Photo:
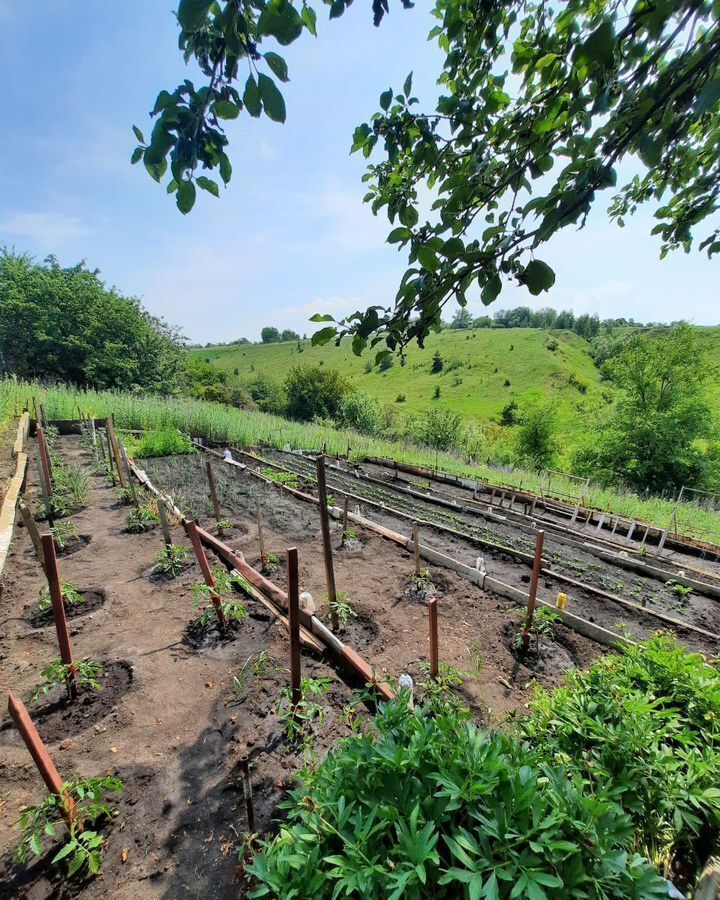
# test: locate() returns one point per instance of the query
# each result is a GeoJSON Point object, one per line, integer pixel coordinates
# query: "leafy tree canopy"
{"type": "Point", "coordinates": [66, 324]}
{"type": "Point", "coordinates": [541, 103]}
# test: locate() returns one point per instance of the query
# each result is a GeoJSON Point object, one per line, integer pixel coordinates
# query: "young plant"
{"type": "Point", "coordinates": [64, 533]}
{"type": "Point", "coordinates": [142, 520]}
{"type": "Point", "coordinates": [342, 609]}
{"type": "Point", "coordinates": [289, 479]}
{"type": "Point", "coordinates": [543, 626]}
{"type": "Point", "coordinates": [82, 846]}
{"type": "Point", "coordinates": [124, 495]}
{"type": "Point", "coordinates": [297, 719]}
{"type": "Point", "coordinates": [71, 482]}
{"type": "Point", "coordinates": [232, 608]}
{"type": "Point", "coordinates": [87, 674]}
{"type": "Point", "coordinates": [421, 582]}
{"type": "Point", "coordinates": [264, 663]}
{"type": "Point", "coordinates": [680, 589]}
{"type": "Point", "coordinates": [442, 689]}
{"type": "Point", "coordinates": [70, 594]}
{"type": "Point", "coordinates": [171, 561]}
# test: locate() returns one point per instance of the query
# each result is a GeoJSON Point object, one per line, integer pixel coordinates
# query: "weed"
{"type": "Point", "coordinates": [297, 719]}
{"type": "Point", "coordinates": [680, 589]}
{"type": "Point", "coordinates": [58, 673]}
{"type": "Point", "coordinates": [125, 495]}
{"type": "Point", "coordinates": [142, 520]}
{"type": "Point", "coordinates": [82, 847]}
{"type": "Point", "coordinates": [263, 663]}
{"type": "Point", "coordinates": [70, 594]}
{"type": "Point", "coordinates": [164, 442]}
{"type": "Point", "coordinates": [474, 652]}
{"type": "Point", "coordinates": [71, 482]}
{"type": "Point", "coordinates": [63, 534]}
{"type": "Point", "coordinates": [171, 561]}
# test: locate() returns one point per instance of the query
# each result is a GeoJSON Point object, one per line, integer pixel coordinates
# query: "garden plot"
{"type": "Point", "coordinates": [590, 583]}
{"type": "Point", "coordinates": [171, 721]}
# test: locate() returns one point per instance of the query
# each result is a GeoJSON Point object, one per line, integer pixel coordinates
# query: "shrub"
{"type": "Point", "coordinates": [509, 414]}
{"type": "Point", "coordinates": [536, 437]}
{"type": "Point", "coordinates": [440, 429]}
{"type": "Point", "coordinates": [429, 805]}
{"type": "Point", "coordinates": [386, 362]}
{"type": "Point", "coordinates": [268, 394]}
{"type": "Point", "coordinates": [437, 363]}
{"type": "Point", "coordinates": [362, 412]}
{"type": "Point", "coordinates": [314, 393]}
{"type": "Point", "coordinates": [436, 392]}
{"type": "Point", "coordinates": [400, 398]}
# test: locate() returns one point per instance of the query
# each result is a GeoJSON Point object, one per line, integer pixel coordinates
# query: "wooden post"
{"type": "Point", "coordinates": [532, 595]}
{"type": "Point", "coordinates": [261, 537]}
{"type": "Point", "coordinates": [36, 409]}
{"type": "Point", "coordinates": [32, 530]}
{"type": "Point", "coordinates": [433, 622]}
{"type": "Point", "coordinates": [58, 608]}
{"type": "Point", "coordinates": [345, 521]}
{"type": "Point", "coordinates": [94, 440]}
{"type": "Point", "coordinates": [197, 546]}
{"type": "Point", "coordinates": [416, 548]}
{"type": "Point", "coordinates": [44, 493]}
{"type": "Point", "coordinates": [213, 491]}
{"type": "Point", "coordinates": [113, 442]}
{"type": "Point", "coordinates": [294, 621]}
{"type": "Point", "coordinates": [167, 536]}
{"type": "Point", "coordinates": [128, 475]}
{"type": "Point", "coordinates": [43, 415]}
{"type": "Point", "coordinates": [327, 548]}
{"type": "Point", "coordinates": [41, 757]}
{"type": "Point", "coordinates": [45, 459]}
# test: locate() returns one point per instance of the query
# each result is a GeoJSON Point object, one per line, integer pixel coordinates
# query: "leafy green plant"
{"type": "Point", "coordinates": [125, 495]}
{"type": "Point", "coordinates": [350, 534]}
{"type": "Point", "coordinates": [443, 689]}
{"type": "Point", "coordinates": [71, 482]}
{"type": "Point", "coordinates": [289, 479]}
{"type": "Point", "coordinates": [422, 581]}
{"type": "Point", "coordinates": [427, 805]}
{"type": "Point", "coordinates": [645, 726]}
{"type": "Point", "coordinates": [297, 719]}
{"type": "Point", "coordinates": [232, 608]}
{"type": "Point", "coordinates": [82, 846]}
{"type": "Point", "coordinates": [171, 561]}
{"type": "Point", "coordinates": [342, 609]}
{"type": "Point", "coordinates": [680, 589]}
{"type": "Point", "coordinates": [160, 442]}
{"type": "Point", "coordinates": [543, 626]}
{"type": "Point", "coordinates": [70, 594]}
{"type": "Point", "coordinates": [64, 533]}
{"type": "Point", "coordinates": [263, 662]}
{"type": "Point", "coordinates": [225, 525]}
{"type": "Point", "coordinates": [87, 674]}
{"type": "Point", "coordinates": [142, 520]}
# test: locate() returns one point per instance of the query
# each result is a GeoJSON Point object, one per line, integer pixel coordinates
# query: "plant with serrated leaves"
{"type": "Point", "coordinates": [141, 520]}
{"type": "Point", "coordinates": [428, 805]}
{"type": "Point", "coordinates": [82, 846]}
{"type": "Point", "coordinates": [443, 688]}
{"type": "Point", "coordinates": [71, 596]}
{"type": "Point", "coordinates": [680, 589]}
{"type": "Point", "coordinates": [64, 533]}
{"type": "Point", "coordinates": [297, 719]}
{"type": "Point", "coordinates": [171, 561]}
{"type": "Point", "coordinates": [87, 674]}
{"type": "Point", "coordinates": [232, 608]}
{"type": "Point", "coordinates": [342, 609]}
{"type": "Point", "coordinates": [422, 581]}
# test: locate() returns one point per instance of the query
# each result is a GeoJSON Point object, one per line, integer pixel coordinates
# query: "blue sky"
{"type": "Point", "coordinates": [290, 236]}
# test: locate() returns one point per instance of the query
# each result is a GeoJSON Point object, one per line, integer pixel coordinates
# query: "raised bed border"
{"type": "Point", "coordinates": [15, 487]}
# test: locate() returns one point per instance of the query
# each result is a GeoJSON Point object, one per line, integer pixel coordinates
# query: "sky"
{"type": "Point", "coordinates": [290, 235]}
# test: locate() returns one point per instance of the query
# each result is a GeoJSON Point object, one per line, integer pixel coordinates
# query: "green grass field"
{"type": "Point", "coordinates": [477, 366]}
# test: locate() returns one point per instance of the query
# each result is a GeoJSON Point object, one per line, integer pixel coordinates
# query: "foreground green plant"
{"type": "Point", "coordinates": [297, 719]}
{"type": "Point", "coordinates": [232, 608]}
{"type": "Point", "coordinates": [422, 581]}
{"type": "Point", "coordinates": [71, 482]}
{"type": "Point", "coordinates": [125, 495]}
{"type": "Point", "coordinates": [427, 805]}
{"type": "Point", "coordinates": [70, 594]}
{"type": "Point", "coordinates": [171, 561]}
{"type": "Point", "coordinates": [543, 626]}
{"type": "Point", "coordinates": [64, 533]}
{"type": "Point", "coordinates": [643, 725]}
{"type": "Point", "coordinates": [142, 520]}
{"type": "Point", "coordinates": [82, 846]}
{"type": "Point", "coordinates": [87, 674]}
{"type": "Point", "coordinates": [342, 609]}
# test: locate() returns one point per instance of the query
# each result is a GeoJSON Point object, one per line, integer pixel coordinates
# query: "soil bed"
{"type": "Point", "coordinates": [92, 601]}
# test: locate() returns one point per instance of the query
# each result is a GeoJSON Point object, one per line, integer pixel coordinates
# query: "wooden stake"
{"type": "Point", "coordinates": [247, 793]}
{"type": "Point", "coordinates": [433, 622]}
{"type": "Point", "coordinates": [327, 548]}
{"type": "Point", "coordinates": [213, 491]}
{"type": "Point", "coordinates": [45, 459]}
{"type": "Point", "coordinates": [128, 475]}
{"type": "Point", "coordinates": [532, 595]}
{"type": "Point", "coordinates": [36, 408]}
{"type": "Point", "coordinates": [197, 546]}
{"type": "Point", "coordinates": [416, 547]}
{"type": "Point", "coordinates": [294, 618]}
{"type": "Point", "coordinates": [58, 608]}
{"type": "Point", "coordinates": [41, 757]}
{"type": "Point", "coordinates": [43, 415]}
{"type": "Point", "coordinates": [32, 530]}
{"type": "Point", "coordinates": [44, 493]}
{"type": "Point", "coordinates": [261, 538]}
{"type": "Point", "coordinates": [345, 521]}
{"type": "Point", "coordinates": [167, 535]}
{"type": "Point", "coordinates": [113, 442]}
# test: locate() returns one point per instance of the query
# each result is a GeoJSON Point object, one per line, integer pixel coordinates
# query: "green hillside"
{"type": "Point", "coordinates": [477, 365]}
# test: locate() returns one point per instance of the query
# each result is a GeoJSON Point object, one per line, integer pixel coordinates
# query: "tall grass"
{"type": "Point", "coordinates": [227, 424]}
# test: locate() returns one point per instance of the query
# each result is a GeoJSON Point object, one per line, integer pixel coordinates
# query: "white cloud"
{"type": "Point", "coordinates": [47, 229]}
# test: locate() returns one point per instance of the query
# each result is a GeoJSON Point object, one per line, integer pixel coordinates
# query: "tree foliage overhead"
{"type": "Point", "coordinates": [541, 104]}
{"type": "Point", "coordinates": [65, 324]}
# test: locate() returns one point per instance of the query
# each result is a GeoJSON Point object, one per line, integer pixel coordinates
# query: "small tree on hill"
{"type": "Point", "coordinates": [312, 392]}
{"type": "Point", "coordinates": [536, 440]}
{"type": "Point", "coordinates": [270, 335]}
{"type": "Point", "coordinates": [437, 363]}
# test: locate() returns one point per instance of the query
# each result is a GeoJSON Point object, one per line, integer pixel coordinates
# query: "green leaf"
{"type": "Point", "coordinates": [398, 235]}
{"type": "Point", "coordinates": [35, 844]}
{"type": "Point", "coordinates": [272, 98]}
{"type": "Point", "coordinates": [281, 21]}
{"type": "Point", "coordinates": [309, 17]}
{"type": "Point", "coordinates": [226, 109]}
{"type": "Point", "coordinates": [322, 337]}
{"type": "Point", "coordinates": [386, 99]}
{"type": "Point", "coordinates": [225, 168]}
{"type": "Point", "coordinates": [251, 98]}
{"type": "Point", "coordinates": [192, 13]}
{"type": "Point", "coordinates": [321, 317]}
{"type": "Point", "coordinates": [64, 851]}
{"type": "Point", "coordinates": [138, 134]}
{"type": "Point", "coordinates": [428, 259]}
{"type": "Point", "coordinates": [137, 155]}
{"type": "Point", "coordinates": [185, 197]}
{"type": "Point", "coordinates": [407, 87]}
{"type": "Point", "coordinates": [337, 8]}
{"type": "Point", "coordinates": [708, 96]}
{"type": "Point", "coordinates": [538, 276]}
{"type": "Point", "coordinates": [207, 184]}
{"type": "Point", "coordinates": [277, 65]}
{"type": "Point", "coordinates": [491, 289]}
{"type": "Point", "coordinates": [599, 47]}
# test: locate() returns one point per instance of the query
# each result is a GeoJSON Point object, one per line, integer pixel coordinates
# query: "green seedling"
{"type": "Point", "coordinates": [82, 846]}
{"type": "Point", "coordinates": [289, 479]}
{"type": "Point", "coordinates": [64, 533]}
{"type": "Point", "coordinates": [231, 608]}
{"type": "Point", "coordinates": [87, 674]}
{"type": "Point", "coordinates": [441, 690]}
{"type": "Point", "coordinates": [422, 581]}
{"type": "Point", "coordinates": [70, 594]}
{"type": "Point", "coordinates": [680, 589]}
{"type": "Point", "coordinates": [342, 609]}
{"type": "Point", "coordinates": [297, 719]}
{"type": "Point", "coordinates": [142, 520]}
{"type": "Point", "coordinates": [171, 561]}
{"type": "Point", "coordinates": [125, 496]}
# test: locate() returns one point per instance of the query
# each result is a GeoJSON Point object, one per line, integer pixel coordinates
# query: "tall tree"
{"type": "Point", "coordinates": [541, 103]}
